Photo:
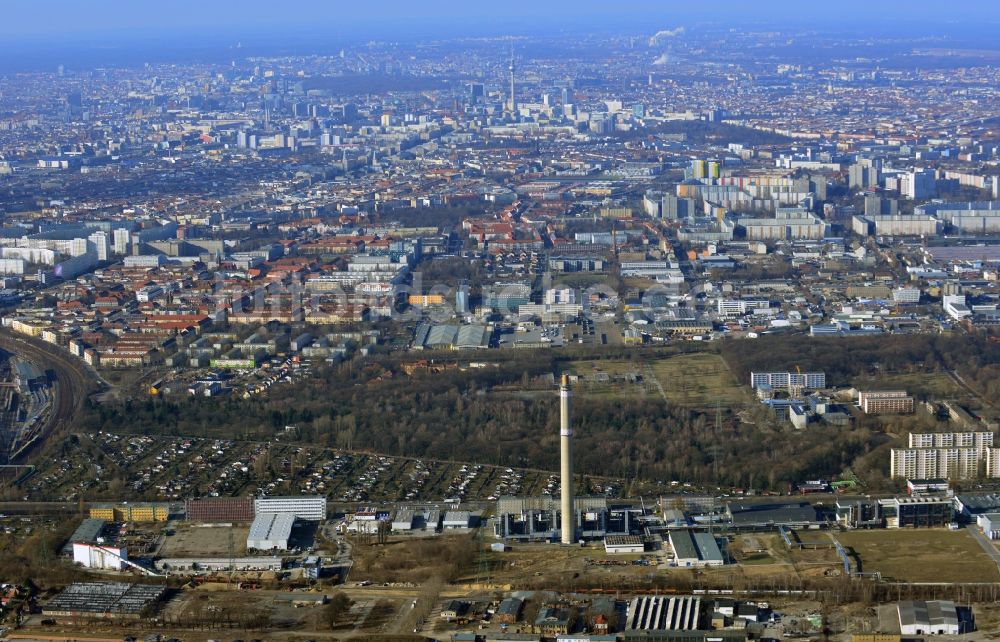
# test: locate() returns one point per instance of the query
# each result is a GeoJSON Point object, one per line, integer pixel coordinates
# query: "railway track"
{"type": "Point", "coordinates": [73, 382]}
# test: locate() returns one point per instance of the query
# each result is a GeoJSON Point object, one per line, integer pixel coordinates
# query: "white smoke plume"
{"type": "Point", "coordinates": [665, 33]}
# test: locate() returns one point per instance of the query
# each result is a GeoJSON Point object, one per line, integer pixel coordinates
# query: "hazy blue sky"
{"type": "Point", "coordinates": [39, 19]}
{"type": "Point", "coordinates": [82, 34]}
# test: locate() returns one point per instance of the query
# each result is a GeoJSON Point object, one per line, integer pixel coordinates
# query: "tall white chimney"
{"type": "Point", "coordinates": [566, 463]}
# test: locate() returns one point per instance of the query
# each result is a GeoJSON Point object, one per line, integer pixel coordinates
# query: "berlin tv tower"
{"type": "Point", "coordinates": [513, 102]}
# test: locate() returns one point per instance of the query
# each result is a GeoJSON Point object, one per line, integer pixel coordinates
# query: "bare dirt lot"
{"type": "Point", "coordinates": [205, 541]}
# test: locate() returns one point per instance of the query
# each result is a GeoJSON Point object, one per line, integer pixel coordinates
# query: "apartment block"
{"type": "Point", "coordinates": [935, 463]}
{"type": "Point", "coordinates": [885, 402]}
{"type": "Point", "coordinates": [980, 440]}
{"type": "Point", "coordinates": [784, 380]}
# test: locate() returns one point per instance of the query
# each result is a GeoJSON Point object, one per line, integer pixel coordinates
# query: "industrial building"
{"type": "Point", "coordinates": [770, 516]}
{"type": "Point", "coordinates": [937, 617]}
{"type": "Point", "coordinates": [989, 524]}
{"type": "Point", "coordinates": [271, 531]}
{"type": "Point", "coordinates": [105, 600]}
{"type": "Point", "coordinates": [859, 513]}
{"type": "Point", "coordinates": [694, 549]}
{"type": "Point", "coordinates": [307, 507]}
{"type": "Point", "coordinates": [623, 544]}
{"type": "Point", "coordinates": [451, 337]}
{"type": "Point", "coordinates": [457, 519]}
{"type": "Point", "coordinates": [403, 521]}
{"type": "Point", "coordinates": [885, 402]}
{"type": "Point", "coordinates": [109, 558]}
{"type": "Point", "coordinates": [917, 512]}
{"type": "Point", "coordinates": [652, 613]}
{"type": "Point", "coordinates": [219, 509]}
{"type": "Point", "coordinates": [539, 518]}
{"type": "Point", "coordinates": [89, 531]}
{"type": "Point", "coordinates": [969, 506]}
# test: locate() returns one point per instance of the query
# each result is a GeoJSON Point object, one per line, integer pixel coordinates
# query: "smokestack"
{"type": "Point", "coordinates": [566, 463]}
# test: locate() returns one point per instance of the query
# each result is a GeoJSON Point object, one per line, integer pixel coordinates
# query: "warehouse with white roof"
{"type": "Point", "coordinates": [271, 531]}
{"type": "Point", "coordinates": [933, 617]}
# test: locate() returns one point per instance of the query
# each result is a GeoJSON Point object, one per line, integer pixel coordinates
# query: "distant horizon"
{"type": "Point", "coordinates": [97, 19]}
{"type": "Point", "coordinates": [117, 33]}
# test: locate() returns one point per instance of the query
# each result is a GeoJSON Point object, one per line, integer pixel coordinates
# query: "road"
{"type": "Point", "coordinates": [343, 559]}
{"type": "Point", "coordinates": [74, 380]}
{"type": "Point", "coordinates": [987, 545]}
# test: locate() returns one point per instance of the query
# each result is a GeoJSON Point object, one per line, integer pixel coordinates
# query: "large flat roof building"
{"type": "Point", "coordinates": [539, 518]}
{"type": "Point", "coordinates": [658, 613]}
{"type": "Point", "coordinates": [771, 515]}
{"type": "Point", "coordinates": [86, 533]}
{"type": "Point", "coordinates": [105, 600]}
{"type": "Point", "coordinates": [937, 617]}
{"type": "Point", "coordinates": [271, 531]}
{"type": "Point", "coordinates": [691, 548]}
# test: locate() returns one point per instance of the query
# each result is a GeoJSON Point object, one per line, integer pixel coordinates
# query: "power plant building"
{"type": "Point", "coordinates": [535, 519]}
{"type": "Point", "coordinates": [917, 512]}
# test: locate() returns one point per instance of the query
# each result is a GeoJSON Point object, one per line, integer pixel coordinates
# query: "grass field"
{"type": "Point", "coordinates": [934, 385]}
{"type": "Point", "coordinates": [699, 380]}
{"type": "Point", "coordinates": [695, 380]}
{"type": "Point", "coordinates": [926, 555]}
